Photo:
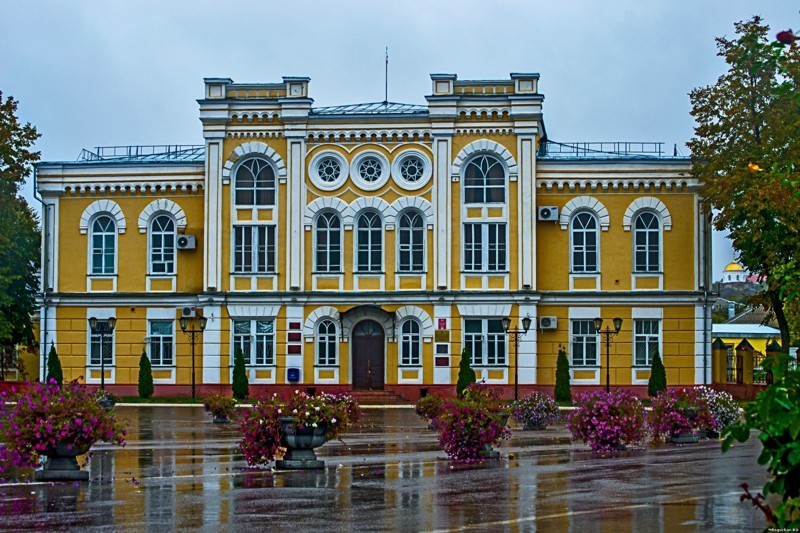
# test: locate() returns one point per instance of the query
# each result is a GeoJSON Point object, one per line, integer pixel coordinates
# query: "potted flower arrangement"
{"type": "Point", "coordinates": [535, 410]}
{"type": "Point", "coordinates": [221, 407]}
{"type": "Point", "coordinates": [428, 408]}
{"type": "Point", "coordinates": [299, 424]}
{"type": "Point", "coordinates": [607, 421]}
{"type": "Point", "coordinates": [470, 426]}
{"type": "Point", "coordinates": [680, 414]}
{"type": "Point", "coordinates": [724, 410]}
{"type": "Point", "coordinates": [106, 399]}
{"type": "Point", "coordinates": [57, 423]}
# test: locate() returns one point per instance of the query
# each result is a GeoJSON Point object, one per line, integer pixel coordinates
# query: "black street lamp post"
{"type": "Point", "coordinates": [193, 335]}
{"type": "Point", "coordinates": [516, 336]}
{"type": "Point", "coordinates": [103, 328]}
{"type": "Point", "coordinates": [607, 334]}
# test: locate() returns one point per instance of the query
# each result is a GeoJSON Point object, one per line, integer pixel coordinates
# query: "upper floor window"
{"type": "Point", "coordinates": [104, 245]}
{"type": "Point", "coordinates": [256, 340]}
{"type": "Point", "coordinates": [583, 341]}
{"type": "Point", "coordinates": [485, 339]}
{"type": "Point", "coordinates": [584, 238]}
{"type": "Point", "coordinates": [645, 341]}
{"type": "Point", "coordinates": [326, 343]}
{"type": "Point", "coordinates": [162, 245]}
{"type": "Point", "coordinates": [161, 342]}
{"type": "Point", "coordinates": [647, 243]}
{"type": "Point", "coordinates": [485, 247]}
{"type": "Point", "coordinates": [411, 242]}
{"type": "Point", "coordinates": [254, 249]}
{"type": "Point", "coordinates": [328, 252]}
{"type": "Point", "coordinates": [369, 254]}
{"type": "Point", "coordinates": [410, 343]}
{"type": "Point", "coordinates": [484, 181]}
{"type": "Point", "coordinates": [255, 183]}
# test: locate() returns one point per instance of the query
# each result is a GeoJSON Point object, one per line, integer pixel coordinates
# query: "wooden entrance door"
{"type": "Point", "coordinates": [368, 360]}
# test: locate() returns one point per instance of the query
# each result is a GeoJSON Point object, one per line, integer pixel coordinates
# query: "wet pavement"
{"type": "Point", "coordinates": [181, 472]}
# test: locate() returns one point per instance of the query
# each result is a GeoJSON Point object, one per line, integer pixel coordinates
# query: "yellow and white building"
{"type": "Point", "coordinates": [366, 246]}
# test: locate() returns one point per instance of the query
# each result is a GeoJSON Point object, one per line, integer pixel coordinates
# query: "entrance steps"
{"type": "Point", "coordinates": [378, 397]}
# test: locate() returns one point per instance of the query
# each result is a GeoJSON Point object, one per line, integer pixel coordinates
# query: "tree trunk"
{"type": "Point", "coordinates": [780, 316]}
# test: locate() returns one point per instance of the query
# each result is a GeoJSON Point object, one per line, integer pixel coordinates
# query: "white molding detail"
{"type": "Point", "coordinates": [485, 146]}
{"type": "Point", "coordinates": [368, 314]}
{"type": "Point", "coordinates": [485, 310]}
{"type": "Point", "coordinates": [648, 203]}
{"type": "Point", "coordinates": [251, 149]}
{"type": "Point", "coordinates": [102, 206]}
{"type": "Point", "coordinates": [326, 203]}
{"type": "Point", "coordinates": [616, 184]}
{"type": "Point", "coordinates": [583, 313]}
{"type": "Point", "coordinates": [161, 313]}
{"type": "Point", "coordinates": [313, 171]}
{"type": "Point", "coordinates": [588, 203]}
{"type": "Point", "coordinates": [427, 170]}
{"type": "Point", "coordinates": [253, 311]}
{"type": "Point", "coordinates": [356, 176]}
{"type": "Point", "coordinates": [370, 202]}
{"type": "Point", "coordinates": [353, 135]}
{"type": "Point", "coordinates": [412, 311]}
{"type": "Point", "coordinates": [410, 202]}
{"type": "Point", "coordinates": [316, 315]}
{"type": "Point", "coordinates": [651, 313]}
{"type": "Point", "coordinates": [162, 206]}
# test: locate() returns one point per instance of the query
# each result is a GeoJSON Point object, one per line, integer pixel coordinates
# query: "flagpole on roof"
{"type": "Point", "coordinates": [386, 80]}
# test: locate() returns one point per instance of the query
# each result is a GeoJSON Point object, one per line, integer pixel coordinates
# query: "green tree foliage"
{"type": "Point", "coordinates": [54, 366]}
{"type": "Point", "coordinates": [241, 386]}
{"type": "Point", "coordinates": [146, 388]}
{"type": "Point", "coordinates": [466, 375]}
{"type": "Point", "coordinates": [658, 376]}
{"type": "Point", "coordinates": [19, 231]}
{"type": "Point", "coordinates": [776, 416]}
{"type": "Point", "coordinates": [744, 147]}
{"type": "Point", "coordinates": [563, 394]}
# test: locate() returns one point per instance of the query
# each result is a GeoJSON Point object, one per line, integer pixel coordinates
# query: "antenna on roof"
{"type": "Point", "coordinates": [386, 79]}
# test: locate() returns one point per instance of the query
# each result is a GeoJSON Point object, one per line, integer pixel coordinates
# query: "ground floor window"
{"type": "Point", "coordinates": [583, 341]}
{"type": "Point", "coordinates": [104, 346]}
{"type": "Point", "coordinates": [326, 343]}
{"type": "Point", "coordinates": [410, 343]}
{"type": "Point", "coordinates": [485, 339]}
{"type": "Point", "coordinates": [256, 339]}
{"type": "Point", "coordinates": [161, 342]}
{"type": "Point", "coordinates": [645, 341]}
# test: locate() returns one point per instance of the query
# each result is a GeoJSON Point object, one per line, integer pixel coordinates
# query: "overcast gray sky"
{"type": "Point", "coordinates": [99, 73]}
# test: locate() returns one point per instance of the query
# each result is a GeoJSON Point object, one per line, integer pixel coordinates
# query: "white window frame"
{"type": "Point", "coordinates": [582, 269]}
{"type": "Point", "coordinates": [247, 164]}
{"type": "Point", "coordinates": [650, 339]}
{"type": "Point", "coordinates": [585, 339]}
{"type": "Point", "coordinates": [649, 233]}
{"type": "Point", "coordinates": [249, 342]}
{"type": "Point", "coordinates": [329, 267]}
{"type": "Point", "coordinates": [109, 233]}
{"type": "Point", "coordinates": [150, 248]}
{"type": "Point", "coordinates": [371, 269]}
{"type": "Point", "coordinates": [411, 247]}
{"type": "Point", "coordinates": [497, 338]}
{"type": "Point", "coordinates": [329, 340]}
{"type": "Point", "coordinates": [268, 249]}
{"type": "Point", "coordinates": [485, 247]}
{"type": "Point", "coordinates": [475, 162]}
{"type": "Point", "coordinates": [409, 341]}
{"type": "Point", "coordinates": [160, 339]}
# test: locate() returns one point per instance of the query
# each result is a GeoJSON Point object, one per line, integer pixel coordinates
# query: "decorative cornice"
{"type": "Point", "coordinates": [484, 131]}
{"type": "Point", "coordinates": [617, 184]}
{"type": "Point", "coordinates": [383, 135]}
{"type": "Point", "coordinates": [123, 188]}
{"type": "Point", "coordinates": [274, 134]}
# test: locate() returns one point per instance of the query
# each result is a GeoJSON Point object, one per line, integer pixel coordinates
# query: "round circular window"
{"type": "Point", "coordinates": [328, 170]}
{"type": "Point", "coordinates": [411, 170]}
{"type": "Point", "coordinates": [370, 170]}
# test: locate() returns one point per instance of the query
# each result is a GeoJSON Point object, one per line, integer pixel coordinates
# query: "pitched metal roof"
{"type": "Point", "coordinates": [372, 108]}
{"type": "Point", "coordinates": [186, 153]}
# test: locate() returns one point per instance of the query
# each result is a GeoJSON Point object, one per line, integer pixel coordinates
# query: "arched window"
{"type": "Point", "coordinates": [410, 343]}
{"type": "Point", "coordinates": [484, 181]}
{"type": "Point", "coordinates": [369, 257]}
{"type": "Point", "coordinates": [329, 243]}
{"type": "Point", "coordinates": [647, 243]}
{"type": "Point", "coordinates": [162, 245]}
{"type": "Point", "coordinates": [411, 242]}
{"type": "Point", "coordinates": [104, 245]}
{"type": "Point", "coordinates": [255, 183]}
{"type": "Point", "coordinates": [326, 343]}
{"type": "Point", "coordinates": [584, 242]}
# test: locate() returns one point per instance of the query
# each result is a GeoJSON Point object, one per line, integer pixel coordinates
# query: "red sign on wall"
{"type": "Point", "coordinates": [442, 323]}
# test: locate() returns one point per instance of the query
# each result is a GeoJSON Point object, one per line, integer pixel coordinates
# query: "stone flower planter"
{"type": "Point", "coordinates": [107, 404]}
{"type": "Point", "coordinates": [684, 438]}
{"type": "Point", "coordinates": [222, 420]}
{"type": "Point", "coordinates": [300, 444]}
{"type": "Point", "coordinates": [60, 464]}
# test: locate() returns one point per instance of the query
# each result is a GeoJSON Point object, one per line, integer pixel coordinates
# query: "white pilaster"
{"type": "Point", "coordinates": [528, 361]}
{"type": "Point", "coordinates": [527, 212]}
{"type": "Point", "coordinates": [442, 147]}
{"type": "Point", "coordinates": [294, 313]}
{"type": "Point", "coordinates": [702, 345]}
{"type": "Point", "coordinates": [295, 202]}
{"type": "Point", "coordinates": [212, 216]}
{"type": "Point", "coordinates": [212, 338]}
{"type": "Point", "coordinates": [441, 374]}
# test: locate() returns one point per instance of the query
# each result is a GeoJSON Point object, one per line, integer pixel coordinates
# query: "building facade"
{"type": "Point", "coordinates": [367, 246]}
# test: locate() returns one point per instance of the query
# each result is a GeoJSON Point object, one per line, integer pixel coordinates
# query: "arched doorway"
{"type": "Point", "coordinates": [368, 360]}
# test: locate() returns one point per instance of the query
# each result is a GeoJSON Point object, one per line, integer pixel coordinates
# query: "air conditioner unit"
{"type": "Point", "coordinates": [187, 242]}
{"type": "Point", "coordinates": [188, 312]}
{"type": "Point", "coordinates": [548, 213]}
{"type": "Point", "coordinates": [548, 322]}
